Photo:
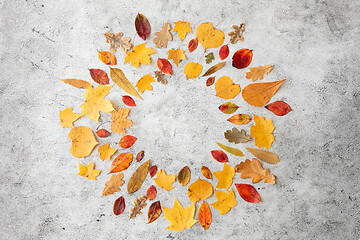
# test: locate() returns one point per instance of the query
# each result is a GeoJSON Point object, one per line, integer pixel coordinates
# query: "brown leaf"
{"type": "Point", "coordinates": [103, 133]}
{"type": "Point", "coordinates": [248, 193]}
{"type": "Point", "coordinates": [121, 162]}
{"type": "Point", "coordinates": [237, 35]}
{"type": "Point", "coordinates": [242, 58]}
{"type": "Point", "coordinates": [219, 156]}
{"type": "Point", "coordinates": [210, 81]}
{"type": "Point", "coordinates": [140, 203]}
{"type": "Point", "coordinates": [117, 41]}
{"type": "Point", "coordinates": [253, 169]}
{"type": "Point", "coordinates": [151, 192]}
{"type": "Point", "coordinates": [119, 206]}
{"type": "Point", "coordinates": [127, 141]}
{"type": "Point", "coordinates": [142, 26]}
{"type": "Point", "coordinates": [224, 52]}
{"type": "Point", "coordinates": [140, 156]}
{"type": "Point", "coordinates": [258, 72]}
{"type": "Point", "coordinates": [164, 66]}
{"type": "Point", "coordinates": [153, 171]}
{"type": "Point", "coordinates": [205, 216]}
{"type": "Point", "coordinates": [266, 156]}
{"type": "Point", "coordinates": [77, 83]}
{"type": "Point", "coordinates": [163, 36]}
{"type": "Point", "coordinates": [279, 108]}
{"type": "Point", "coordinates": [214, 69]}
{"type": "Point", "coordinates": [127, 100]}
{"type": "Point", "coordinates": [184, 176]}
{"type": "Point", "coordinates": [206, 172]}
{"type": "Point", "coordinates": [99, 76]}
{"type": "Point", "coordinates": [193, 44]}
{"type": "Point", "coordinates": [160, 77]}
{"type": "Point", "coordinates": [138, 177]}
{"type": "Point", "coordinates": [107, 57]}
{"type": "Point", "coordinates": [236, 136]}
{"type": "Point", "coordinates": [112, 186]}
{"type": "Point", "coordinates": [154, 211]}
{"type": "Point", "coordinates": [240, 119]}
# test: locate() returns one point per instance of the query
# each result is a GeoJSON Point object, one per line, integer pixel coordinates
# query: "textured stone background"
{"type": "Point", "coordinates": [313, 44]}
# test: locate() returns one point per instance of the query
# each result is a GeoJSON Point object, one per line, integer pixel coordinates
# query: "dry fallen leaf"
{"type": "Point", "coordinates": [258, 72]}
{"type": "Point", "coordinates": [192, 70]}
{"type": "Point", "coordinates": [226, 89]}
{"type": "Point", "coordinates": [145, 83]}
{"type": "Point", "coordinates": [118, 76]}
{"type": "Point", "coordinates": [209, 57]}
{"type": "Point", "coordinates": [206, 172]}
{"type": "Point", "coordinates": [184, 176]}
{"type": "Point", "coordinates": [262, 132]}
{"type": "Point", "coordinates": [182, 28]}
{"type": "Point", "coordinates": [164, 66]}
{"type": "Point", "coordinates": [151, 192]}
{"type": "Point", "coordinates": [176, 55]}
{"type": "Point", "coordinates": [67, 117]}
{"type": "Point", "coordinates": [117, 41]}
{"type": "Point", "coordinates": [103, 133]}
{"type": "Point", "coordinates": [219, 156]}
{"type": "Point", "coordinates": [77, 83]}
{"type": "Point", "coordinates": [106, 152]}
{"type": "Point", "coordinates": [193, 44]}
{"type": "Point", "coordinates": [210, 81]}
{"type": "Point", "coordinates": [121, 162]}
{"type": "Point", "coordinates": [119, 121]}
{"type": "Point", "coordinates": [253, 169]}
{"type": "Point", "coordinates": [240, 119]}
{"type": "Point", "coordinates": [113, 185]}
{"type": "Point", "coordinates": [99, 76]}
{"type": "Point", "coordinates": [205, 216]}
{"type": "Point", "coordinates": [237, 35]}
{"type": "Point", "coordinates": [266, 156]}
{"type": "Point", "coordinates": [127, 141]}
{"type": "Point", "coordinates": [231, 150]}
{"type": "Point", "coordinates": [107, 57]}
{"type": "Point", "coordinates": [119, 206]}
{"type": "Point", "coordinates": [164, 181]}
{"type": "Point", "coordinates": [140, 55]}
{"type": "Point", "coordinates": [83, 141]}
{"type": "Point", "coordinates": [208, 36]}
{"type": "Point", "coordinates": [236, 136]}
{"type": "Point", "coordinates": [225, 177]}
{"type": "Point", "coordinates": [153, 171]}
{"type": "Point", "coordinates": [224, 52]}
{"type": "Point", "coordinates": [160, 77]}
{"type": "Point", "coordinates": [228, 107]}
{"type": "Point", "coordinates": [138, 177]}
{"type": "Point", "coordinates": [279, 108]}
{"type": "Point", "coordinates": [214, 69]}
{"type": "Point", "coordinates": [179, 217]}
{"type": "Point", "coordinates": [225, 201]}
{"type": "Point", "coordinates": [163, 36]}
{"type": "Point", "coordinates": [242, 58]}
{"type": "Point", "coordinates": [248, 193]}
{"type": "Point", "coordinates": [200, 190]}
{"type": "Point", "coordinates": [142, 26]}
{"type": "Point", "coordinates": [139, 203]}
{"type": "Point", "coordinates": [129, 101]}
{"type": "Point", "coordinates": [154, 211]}
{"type": "Point", "coordinates": [89, 171]}
{"type": "Point", "coordinates": [140, 156]}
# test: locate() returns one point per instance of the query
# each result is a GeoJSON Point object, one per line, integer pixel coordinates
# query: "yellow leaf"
{"type": "Point", "coordinates": [83, 141]}
{"type": "Point", "coordinates": [192, 70]}
{"type": "Point", "coordinates": [95, 102]}
{"type": "Point", "coordinates": [182, 28]}
{"type": "Point", "coordinates": [262, 132]}
{"type": "Point", "coordinates": [164, 181]}
{"type": "Point", "coordinates": [179, 217]}
{"type": "Point", "coordinates": [266, 156]}
{"type": "Point", "coordinates": [118, 76]}
{"type": "Point", "coordinates": [145, 83]}
{"type": "Point", "coordinates": [258, 72]}
{"type": "Point", "coordinates": [67, 117]}
{"type": "Point", "coordinates": [107, 57]}
{"type": "Point", "coordinates": [176, 55]}
{"type": "Point", "coordinates": [77, 83]}
{"type": "Point", "coordinates": [163, 36]}
{"type": "Point", "coordinates": [226, 89]}
{"type": "Point", "coordinates": [89, 171]}
{"type": "Point", "coordinates": [140, 55]}
{"type": "Point", "coordinates": [225, 201]}
{"type": "Point", "coordinates": [225, 177]}
{"type": "Point", "coordinates": [208, 36]}
{"type": "Point", "coordinates": [200, 190]}
{"type": "Point", "coordinates": [112, 186]}
{"type": "Point", "coordinates": [231, 150]}
{"type": "Point", "coordinates": [253, 169]}
{"type": "Point", "coordinates": [106, 152]}
{"type": "Point", "coordinates": [119, 121]}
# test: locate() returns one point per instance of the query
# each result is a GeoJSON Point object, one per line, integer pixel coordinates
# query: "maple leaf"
{"type": "Point", "coordinates": [262, 132]}
{"type": "Point", "coordinates": [83, 141]}
{"type": "Point", "coordinates": [182, 28]}
{"type": "Point", "coordinates": [209, 57]}
{"type": "Point", "coordinates": [225, 177]}
{"type": "Point", "coordinates": [95, 102]}
{"type": "Point", "coordinates": [253, 169]}
{"type": "Point", "coordinates": [225, 201]}
{"type": "Point", "coordinates": [119, 121]}
{"type": "Point", "coordinates": [67, 117]}
{"type": "Point", "coordinates": [140, 55]}
{"type": "Point", "coordinates": [89, 171]}
{"type": "Point", "coordinates": [117, 41]}
{"type": "Point", "coordinates": [140, 203]}
{"type": "Point", "coordinates": [200, 190]}
{"type": "Point", "coordinates": [179, 217]}
{"type": "Point", "coordinates": [164, 181]}
{"type": "Point", "coordinates": [237, 35]}
{"type": "Point", "coordinates": [236, 136]}
{"type": "Point", "coordinates": [176, 55]}
{"type": "Point", "coordinates": [106, 152]}
{"type": "Point", "coordinates": [258, 72]}
{"type": "Point", "coordinates": [163, 36]}
{"type": "Point", "coordinates": [112, 186]}
{"type": "Point", "coordinates": [160, 77]}
{"type": "Point", "coordinates": [145, 83]}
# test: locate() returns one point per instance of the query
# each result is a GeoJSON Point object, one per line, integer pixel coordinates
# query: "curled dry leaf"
{"type": "Point", "coordinates": [214, 69]}
{"type": "Point", "coordinates": [153, 171]}
{"type": "Point", "coordinates": [164, 181]}
{"type": "Point", "coordinates": [206, 172]}
{"type": "Point", "coordinates": [127, 141]}
{"type": "Point", "coordinates": [119, 121]}
{"type": "Point", "coordinates": [179, 217]}
{"type": "Point", "coordinates": [99, 76]}
{"type": "Point", "coordinates": [117, 41]}
{"type": "Point", "coordinates": [164, 66]}
{"type": "Point", "coordinates": [193, 44]}
{"type": "Point", "coordinates": [225, 177]}
{"type": "Point", "coordinates": [139, 203]}
{"type": "Point", "coordinates": [225, 201]}
{"type": "Point", "coordinates": [103, 133]}
{"type": "Point", "coordinates": [140, 156]}
{"type": "Point", "coordinates": [248, 193]}
{"type": "Point", "coordinates": [88, 171]}
{"type": "Point", "coordinates": [200, 190]}
{"type": "Point", "coordinates": [106, 152]}
{"type": "Point", "coordinates": [237, 35]}
{"type": "Point", "coordinates": [253, 169]}
{"type": "Point", "coordinates": [83, 141]}
{"type": "Point", "coordinates": [210, 81]}
{"type": "Point", "coordinates": [154, 211]}
{"type": "Point", "coordinates": [107, 57]}
{"type": "Point", "coordinates": [226, 89]}
{"type": "Point", "coordinates": [138, 177]}
{"type": "Point", "coordinates": [182, 28]}
{"type": "Point", "coordinates": [219, 156]}
{"type": "Point", "coordinates": [163, 36]}
{"type": "Point", "coordinates": [151, 192]}
{"type": "Point", "coordinates": [119, 206]}
{"type": "Point", "coordinates": [242, 58]}
{"type": "Point", "coordinates": [258, 72]}
{"type": "Point", "coordinates": [142, 26]}
{"type": "Point", "coordinates": [160, 77]}
{"type": "Point", "coordinates": [77, 83]}
{"type": "Point", "coordinates": [240, 119]}
{"type": "Point", "coordinates": [208, 36]}
{"type": "Point", "coordinates": [228, 107]}
{"type": "Point", "coordinates": [205, 216]}
{"type": "Point", "coordinates": [265, 156]}
{"type": "Point", "coordinates": [145, 83]}
{"type": "Point", "coordinates": [231, 150]}
{"type": "Point", "coordinates": [237, 136]}
{"type": "Point", "coordinates": [139, 55]}
{"type": "Point", "coordinates": [184, 176]}
{"type": "Point", "coordinates": [112, 186]}
{"type": "Point", "coordinates": [121, 162]}
{"type": "Point", "coordinates": [224, 52]}
{"type": "Point", "coordinates": [68, 117]}
{"type": "Point", "coordinates": [192, 70]}
{"type": "Point", "coordinates": [279, 108]}
{"type": "Point", "coordinates": [176, 55]}
{"type": "Point", "coordinates": [262, 132]}
{"type": "Point", "coordinates": [118, 76]}
{"type": "Point", "coordinates": [209, 57]}
{"type": "Point", "coordinates": [129, 101]}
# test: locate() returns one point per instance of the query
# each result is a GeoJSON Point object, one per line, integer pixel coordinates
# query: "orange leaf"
{"type": "Point", "coordinates": [253, 169]}
{"type": "Point", "coordinates": [193, 44]}
{"type": "Point", "coordinates": [99, 76]}
{"type": "Point", "coordinates": [279, 108]}
{"type": "Point", "coordinates": [77, 83]}
{"type": "Point", "coordinates": [127, 141]}
{"type": "Point", "coordinates": [154, 211]}
{"type": "Point", "coordinates": [210, 81]}
{"type": "Point", "coordinates": [206, 172]}
{"type": "Point", "coordinates": [224, 52]}
{"type": "Point", "coordinates": [219, 156]}
{"type": "Point", "coordinates": [248, 193]}
{"type": "Point", "coordinates": [239, 119]}
{"type": "Point", "coordinates": [164, 66]}
{"type": "Point", "coordinates": [205, 216]}
{"type": "Point", "coordinates": [103, 133]}
{"type": "Point", "coordinates": [151, 192]}
{"type": "Point", "coordinates": [107, 57]}
{"type": "Point", "coordinates": [127, 100]}
{"type": "Point", "coordinates": [121, 162]}
{"type": "Point", "coordinates": [242, 58]}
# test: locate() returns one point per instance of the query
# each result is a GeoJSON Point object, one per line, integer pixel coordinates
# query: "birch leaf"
{"type": "Point", "coordinates": [83, 141]}
{"type": "Point", "coordinates": [200, 190]}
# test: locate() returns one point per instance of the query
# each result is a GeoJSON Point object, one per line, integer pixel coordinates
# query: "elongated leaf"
{"type": "Point", "coordinates": [142, 26]}
{"type": "Point", "coordinates": [240, 119]}
{"type": "Point", "coordinates": [228, 107]}
{"type": "Point", "coordinates": [205, 216]}
{"type": "Point", "coordinates": [219, 156]}
{"type": "Point", "coordinates": [193, 44]}
{"type": "Point", "coordinates": [154, 211]}
{"type": "Point", "coordinates": [119, 206]}
{"type": "Point", "coordinates": [224, 52]}
{"type": "Point", "coordinates": [265, 156]}
{"type": "Point", "coordinates": [164, 66]}
{"type": "Point", "coordinates": [231, 150]}
{"type": "Point", "coordinates": [184, 176]}
{"type": "Point", "coordinates": [138, 177]}
{"type": "Point", "coordinates": [213, 69]}
{"type": "Point", "coordinates": [248, 193]}
{"type": "Point", "coordinates": [76, 83]}
{"type": "Point", "coordinates": [119, 78]}
{"type": "Point", "coordinates": [140, 156]}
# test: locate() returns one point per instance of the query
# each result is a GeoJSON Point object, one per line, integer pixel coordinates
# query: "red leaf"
{"type": "Point", "coordinates": [154, 211]}
{"type": "Point", "coordinates": [210, 81]}
{"type": "Point", "coordinates": [219, 156]}
{"type": "Point", "coordinates": [242, 58]}
{"type": "Point", "coordinates": [142, 26]}
{"type": "Point", "coordinates": [224, 52]}
{"type": "Point", "coordinates": [102, 133]}
{"type": "Point", "coordinates": [127, 141]}
{"type": "Point", "coordinates": [248, 193]}
{"type": "Point", "coordinates": [151, 192]}
{"type": "Point", "coordinates": [205, 216]}
{"type": "Point", "coordinates": [153, 171]}
{"type": "Point", "coordinates": [279, 108]}
{"type": "Point", "coordinates": [99, 76]}
{"type": "Point", "coordinates": [193, 44]}
{"type": "Point", "coordinates": [127, 100]}
{"type": "Point", "coordinates": [140, 156]}
{"type": "Point", "coordinates": [119, 206]}
{"type": "Point", "coordinates": [228, 107]}
{"type": "Point", "coordinates": [164, 66]}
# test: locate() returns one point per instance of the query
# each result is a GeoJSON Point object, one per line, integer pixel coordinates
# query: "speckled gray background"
{"type": "Point", "coordinates": [313, 44]}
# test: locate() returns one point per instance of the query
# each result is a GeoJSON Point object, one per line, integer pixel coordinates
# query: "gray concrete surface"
{"type": "Point", "coordinates": [313, 44]}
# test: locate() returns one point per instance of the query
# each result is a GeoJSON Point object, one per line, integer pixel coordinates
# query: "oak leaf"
{"type": "Point", "coordinates": [139, 203]}
{"type": "Point", "coordinates": [119, 121]}
{"type": "Point", "coordinates": [138, 177]}
{"type": "Point", "coordinates": [117, 41]}
{"type": "Point", "coordinates": [163, 36]}
{"type": "Point", "coordinates": [192, 70]}
{"type": "Point", "coordinates": [226, 89]}
{"type": "Point", "coordinates": [106, 152]}
{"type": "Point", "coordinates": [139, 55]}
{"type": "Point", "coordinates": [107, 57]}
{"type": "Point", "coordinates": [68, 117]}
{"type": "Point", "coordinates": [205, 216]}
{"type": "Point", "coordinates": [262, 132]}
{"type": "Point", "coordinates": [225, 177]}
{"type": "Point", "coordinates": [76, 83]}
{"type": "Point", "coordinates": [258, 72]}
{"type": "Point", "coordinates": [266, 156]}
{"type": "Point", "coordinates": [118, 76]}
{"type": "Point", "coordinates": [208, 36]}
{"type": "Point", "coordinates": [89, 171]}
{"type": "Point", "coordinates": [253, 169]}
{"type": "Point", "coordinates": [83, 141]}
{"type": "Point", "coordinates": [145, 83]}
{"type": "Point", "coordinates": [179, 217]}
{"type": "Point", "coordinates": [200, 190]}
{"type": "Point", "coordinates": [176, 55]}
{"type": "Point", "coordinates": [154, 211]}
{"type": "Point", "coordinates": [209, 57]}
{"type": "Point", "coordinates": [225, 201]}
{"type": "Point", "coordinates": [160, 77]}
{"type": "Point", "coordinates": [231, 150]}
{"type": "Point", "coordinates": [182, 28]}
{"type": "Point", "coordinates": [237, 136]}
{"type": "Point", "coordinates": [237, 35]}
{"type": "Point", "coordinates": [113, 185]}
{"type": "Point", "coordinates": [121, 162]}
{"type": "Point", "coordinates": [164, 181]}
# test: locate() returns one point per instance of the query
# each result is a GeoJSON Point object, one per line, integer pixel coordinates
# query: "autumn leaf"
{"type": "Point", "coordinates": [225, 201]}
{"type": "Point", "coordinates": [164, 181]}
{"type": "Point", "coordinates": [154, 211]}
{"type": "Point", "coordinates": [225, 177]}
{"type": "Point", "coordinates": [121, 162]}
{"type": "Point", "coordinates": [163, 36]}
{"type": "Point", "coordinates": [193, 44]}
{"type": "Point", "coordinates": [164, 66]}
{"type": "Point", "coordinates": [139, 203]}
{"type": "Point", "coordinates": [224, 52]}
{"type": "Point", "coordinates": [106, 152]}
{"type": "Point", "coordinates": [208, 36]}
{"type": "Point", "coordinates": [83, 141]}
{"type": "Point", "coordinates": [262, 132]}
{"type": "Point", "coordinates": [226, 89]}
{"type": "Point", "coordinates": [89, 171]}
{"type": "Point", "coordinates": [265, 156]}
{"type": "Point", "coordinates": [118, 76]}
{"type": "Point", "coordinates": [99, 76]}
{"type": "Point", "coordinates": [103, 133]}
{"type": "Point", "coordinates": [76, 83]}
{"type": "Point", "coordinates": [242, 58]}
{"type": "Point", "coordinates": [237, 136]}
{"type": "Point", "coordinates": [113, 185]}
{"type": "Point", "coordinates": [184, 176]}
{"type": "Point", "coordinates": [127, 141]}
{"type": "Point", "coordinates": [176, 55]}
{"type": "Point", "coordinates": [192, 70]}
{"type": "Point", "coordinates": [138, 177]}
{"type": "Point", "coordinates": [209, 57]}
{"type": "Point", "coordinates": [160, 77]}
{"type": "Point", "coordinates": [182, 28]}
{"type": "Point", "coordinates": [237, 35]}
{"type": "Point", "coordinates": [214, 69]}
{"type": "Point", "coordinates": [279, 108]}
{"type": "Point", "coordinates": [258, 72]}
{"type": "Point", "coordinates": [248, 193]}
{"type": "Point", "coordinates": [231, 150]}
{"type": "Point", "coordinates": [258, 94]}
{"type": "Point", "coordinates": [179, 217]}
{"type": "Point", "coordinates": [140, 156]}
{"type": "Point", "coordinates": [145, 83]}
{"type": "Point", "coordinates": [95, 102]}
{"type": "Point", "coordinates": [142, 26]}
{"type": "Point", "coordinates": [205, 216]}
{"type": "Point", "coordinates": [219, 156]}
{"type": "Point", "coordinates": [119, 121]}
{"type": "Point", "coordinates": [117, 41]}
{"type": "Point", "coordinates": [210, 81]}
{"type": "Point", "coordinates": [206, 172]}
{"type": "Point", "coordinates": [119, 206]}
{"type": "Point", "coordinates": [228, 107]}
{"type": "Point", "coordinates": [67, 117]}
{"type": "Point", "coordinates": [253, 169]}
{"type": "Point", "coordinates": [153, 171]}
{"type": "Point", "coordinates": [129, 101]}
{"type": "Point", "coordinates": [151, 192]}
{"type": "Point", "coordinates": [200, 190]}
{"type": "Point", "coordinates": [107, 57]}
{"type": "Point", "coordinates": [240, 119]}
{"type": "Point", "coordinates": [139, 55]}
